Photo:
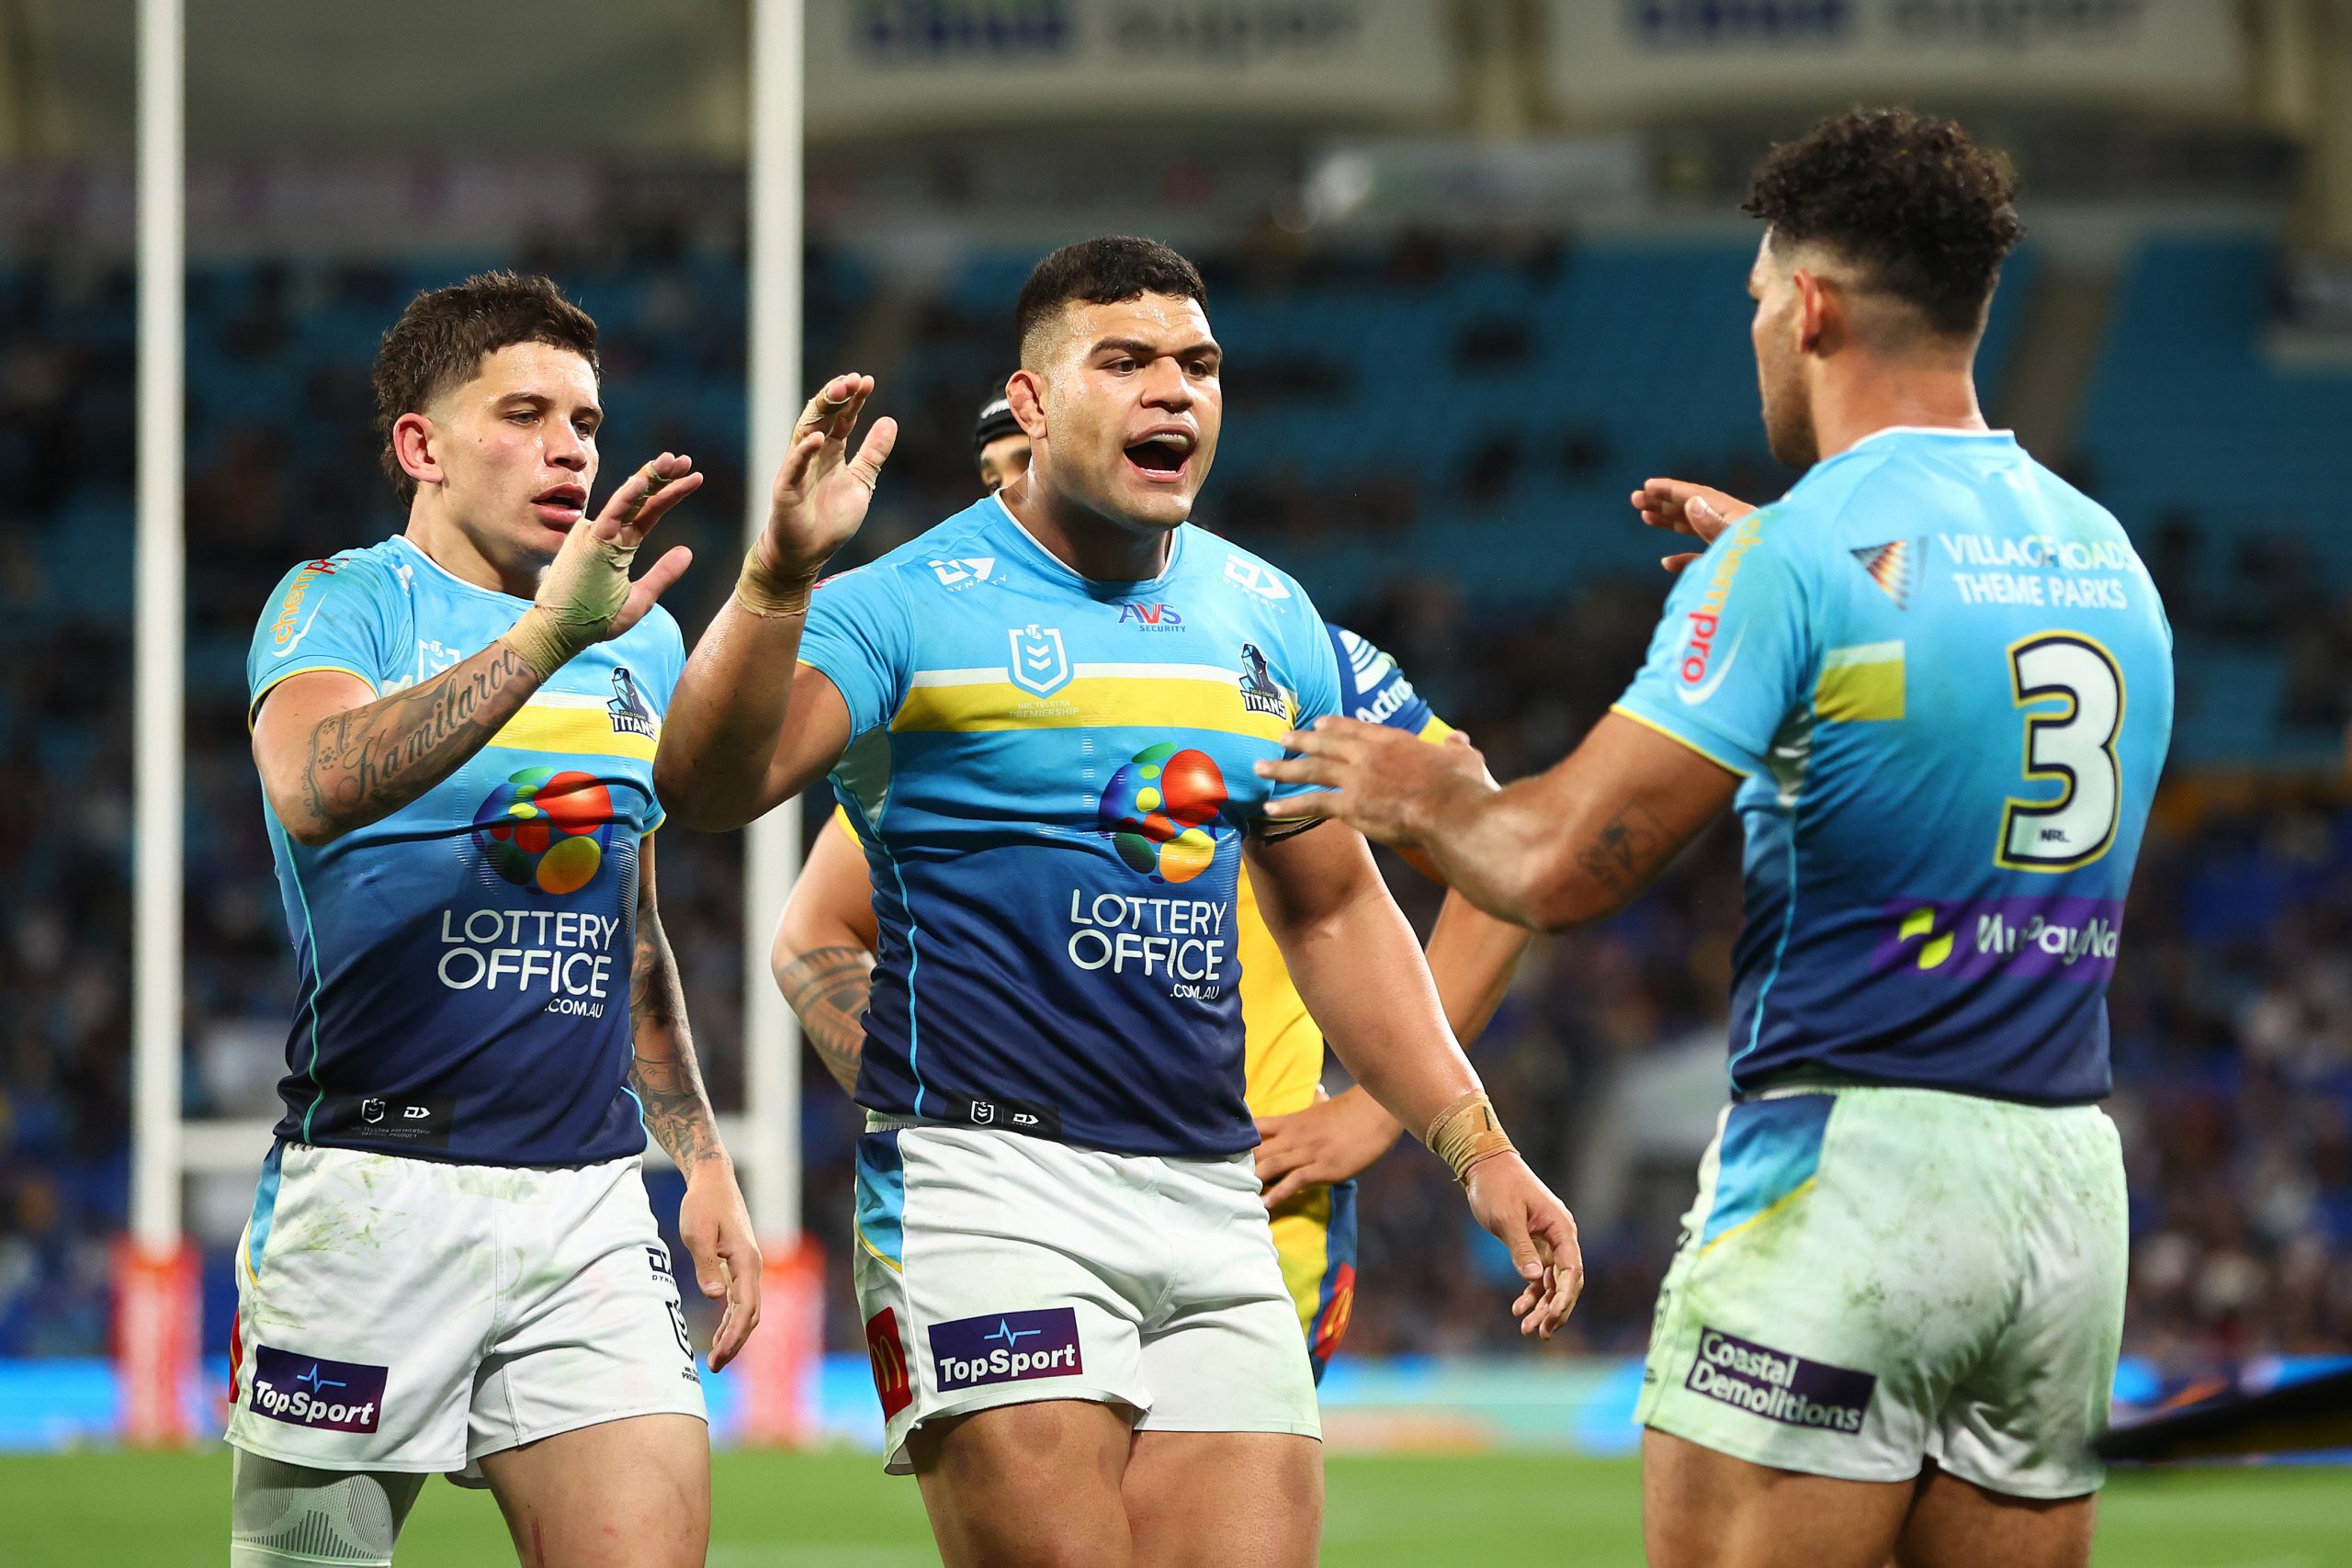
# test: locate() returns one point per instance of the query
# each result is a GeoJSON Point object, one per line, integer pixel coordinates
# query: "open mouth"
{"type": "Point", "coordinates": [1162, 455]}
{"type": "Point", "coordinates": [560, 506]}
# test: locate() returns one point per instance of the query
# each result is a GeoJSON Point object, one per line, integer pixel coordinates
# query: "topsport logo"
{"type": "Point", "coordinates": [545, 829]}
{"type": "Point", "coordinates": [306, 1391]}
{"type": "Point", "coordinates": [1706, 618]}
{"type": "Point", "coordinates": [1009, 1347]}
{"type": "Point", "coordinates": [1160, 810]}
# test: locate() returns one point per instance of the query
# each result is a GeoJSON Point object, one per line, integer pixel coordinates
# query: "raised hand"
{"type": "Point", "coordinates": [821, 491]}
{"type": "Point", "coordinates": [585, 595]}
{"type": "Point", "coordinates": [1680, 507]}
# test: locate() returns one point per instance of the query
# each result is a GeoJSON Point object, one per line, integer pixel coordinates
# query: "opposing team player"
{"type": "Point", "coordinates": [1312, 1147]}
{"type": "Point", "coordinates": [1937, 682]}
{"type": "Point", "coordinates": [1083, 1343]}
{"type": "Point", "coordinates": [451, 1264]}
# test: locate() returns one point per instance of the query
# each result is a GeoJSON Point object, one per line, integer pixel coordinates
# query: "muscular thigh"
{"type": "Point", "coordinates": [627, 1493]}
{"type": "Point", "coordinates": [1224, 1499]}
{"type": "Point", "coordinates": [1958, 1524]}
{"type": "Point", "coordinates": [1705, 1509]}
{"type": "Point", "coordinates": [1033, 1485]}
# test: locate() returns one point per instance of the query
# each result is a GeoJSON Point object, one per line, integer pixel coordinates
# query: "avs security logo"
{"type": "Point", "coordinates": [2045, 938]}
{"type": "Point", "coordinates": [1160, 617]}
{"type": "Point", "coordinates": [1009, 1347]}
{"type": "Point", "coordinates": [1704, 665]}
{"type": "Point", "coordinates": [1040, 662]}
{"type": "Point", "coordinates": [1160, 808]}
{"type": "Point", "coordinates": [547, 830]}
{"type": "Point", "coordinates": [306, 1391]}
{"type": "Point", "coordinates": [1779, 1386]}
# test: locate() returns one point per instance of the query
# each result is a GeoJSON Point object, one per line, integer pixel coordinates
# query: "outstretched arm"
{"type": "Point", "coordinates": [1570, 845]}
{"type": "Point", "coordinates": [749, 727]}
{"type": "Point", "coordinates": [334, 756]}
{"type": "Point", "coordinates": [712, 1221]}
{"type": "Point", "coordinates": [1354, 960]}
{"type": "Point", "coordinates": [823, 953]}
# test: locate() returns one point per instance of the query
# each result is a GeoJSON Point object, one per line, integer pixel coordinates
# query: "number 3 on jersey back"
{"type": "Point", "coordinates": [2076, 748]}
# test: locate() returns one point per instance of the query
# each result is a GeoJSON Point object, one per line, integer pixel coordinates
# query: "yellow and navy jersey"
{"type": "Point", "coordinates": [463, 964]}
{"type": "Point", "coordinates": [1052, 777]}
{"type": "Point", "coordinates": [1286, 1048]}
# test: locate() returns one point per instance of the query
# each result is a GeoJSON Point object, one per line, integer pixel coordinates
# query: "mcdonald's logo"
{"type": "Point", "coordinates": [888, 1354]}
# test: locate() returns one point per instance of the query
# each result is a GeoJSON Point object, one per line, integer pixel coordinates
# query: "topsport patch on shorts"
{"type": "Point", "coordinates": [1007, 1348]}
{"type": "Point", "coordinates": [1779, 1386]}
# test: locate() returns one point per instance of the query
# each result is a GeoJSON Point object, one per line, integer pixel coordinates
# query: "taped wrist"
{"type": "Point", "coordinates": [767, 595]}
{"type": "Point", "coordinates": [1466, 1133]}
{"type": "Point", "coordinates": [585, 586]}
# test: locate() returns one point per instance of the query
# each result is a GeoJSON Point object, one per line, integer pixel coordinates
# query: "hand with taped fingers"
{"type": "Point", "coordinates": [1381, 781]}
{"type": "Point", "coordinates": [1680, 507]}
{"type": "Point", "coordinates": [585, 595]}
{"type": "Point", "coordinates": [822, 490]}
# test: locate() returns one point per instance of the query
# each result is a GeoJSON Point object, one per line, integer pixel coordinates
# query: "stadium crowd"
{"type": "Point", "coordinates": [2232, 1005]}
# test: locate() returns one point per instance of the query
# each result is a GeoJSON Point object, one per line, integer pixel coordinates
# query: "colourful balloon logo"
{"type": "Point", "coordinates": [547, 829]}
{"type": "Point", "coordinates": [1160, 808]}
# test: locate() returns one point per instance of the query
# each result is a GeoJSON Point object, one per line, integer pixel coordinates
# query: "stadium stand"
{"type": "Point", "coordinates": [1439, 439]}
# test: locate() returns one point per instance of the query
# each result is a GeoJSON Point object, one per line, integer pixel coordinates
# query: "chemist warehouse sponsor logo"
{"type": "Point", "coordinates": [289, 628]}
{"type": "Point", "coordinates": [1706, 616]}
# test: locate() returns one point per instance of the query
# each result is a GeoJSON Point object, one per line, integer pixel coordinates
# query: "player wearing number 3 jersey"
{"type": "Point", "coordinates": [1936, 683]}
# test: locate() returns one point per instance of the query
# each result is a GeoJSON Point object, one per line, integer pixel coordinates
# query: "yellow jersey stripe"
{"type": "Point", "coordinates": [1860, 684]}
{"type": "Point", "coordinates": [1684, 740]}
{"type": "Point", "coordinates": [580, 731]}
{"type": "Point", "coordinates": [1155, 702]}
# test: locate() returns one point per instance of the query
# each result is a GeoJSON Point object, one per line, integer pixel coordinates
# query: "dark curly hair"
{"type": "Point", "coordinates": [1912, 200]}
{"type": "Point", "coordinates": [1101, 271]}
{"type": "Point", "coordinates": [442, 338]}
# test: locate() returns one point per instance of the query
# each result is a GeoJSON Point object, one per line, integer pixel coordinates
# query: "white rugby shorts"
{"type": "Point", "coordinates": [1873, 1279]}
{"type": "Point", "coordinates": [404, 1314]}
{"type": "Point", "coordinates": [995, 1268]}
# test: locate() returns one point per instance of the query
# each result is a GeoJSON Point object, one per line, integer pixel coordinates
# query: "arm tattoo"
{"type": "Point", "coordinates": [667, 1079]}
{"type": "Point", "coordinates": [826, 989]}
{"type": "Point", "coordinates": [366, 763]}
{"type": "Point", "coordinates": [1626, 853]}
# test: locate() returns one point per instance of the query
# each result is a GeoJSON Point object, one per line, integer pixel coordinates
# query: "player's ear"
{"type": "Point", "coordinates": [1814, 306]}
{"type": "Point", "coordinates": [1026, 394]}
{"type": "Point", "coordinates": [413, 438]}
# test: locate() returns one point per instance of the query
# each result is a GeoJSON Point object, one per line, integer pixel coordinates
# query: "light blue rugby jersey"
{"type": "Point", "coordinates": [1052, 777]}
{"type": "Point", "coordinates": [1949, 680]}
{"type": "Point", "coordinates": [464, 962]}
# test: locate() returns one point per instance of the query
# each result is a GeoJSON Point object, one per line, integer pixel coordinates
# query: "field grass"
{"type": "Point", "coordinates": [840, 1511]}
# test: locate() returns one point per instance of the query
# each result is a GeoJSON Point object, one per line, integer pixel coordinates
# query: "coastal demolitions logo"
{"type": "Point", "coordinates": [1779, 1386]}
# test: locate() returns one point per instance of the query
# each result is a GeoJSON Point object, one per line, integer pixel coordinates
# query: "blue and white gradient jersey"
{"type": "Point", "coordinates": [1052, 777]}
{"type": "Point", "coordinates": [1947, 680]}
{"type": "Point", "coordinates": [464, 962]}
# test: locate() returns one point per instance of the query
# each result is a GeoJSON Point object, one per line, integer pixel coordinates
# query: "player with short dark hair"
{"type": "Point", "coordinates": [1937, 682]}
{"type": "Point", "coordinates": [1080, 1333]}
{"type": "Point", "coordinates": [1312, 1146]}
{"type": "Point", "coordinates": [451, 1263]}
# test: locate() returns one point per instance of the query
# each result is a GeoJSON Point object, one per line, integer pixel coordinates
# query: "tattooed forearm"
{"type": "Point", "coordinates": [1627, 852]}
{"type": "Point", "coordinates": [366, 763]}
{"type": "Point", "coordinates": [667, 1079]}
{"type": "Point", "coordinates": [826, 989]}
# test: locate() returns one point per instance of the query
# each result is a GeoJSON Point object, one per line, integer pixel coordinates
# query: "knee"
{"type": "Point", "coordinates": [282, 1514]}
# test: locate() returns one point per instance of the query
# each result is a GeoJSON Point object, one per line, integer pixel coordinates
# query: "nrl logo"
{"type": "Point", "coordinates": [1039, 663]}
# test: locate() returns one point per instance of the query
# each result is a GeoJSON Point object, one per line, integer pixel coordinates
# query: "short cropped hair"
{"type": "Point", "coordinates": [1921, 209]}
{"type": "Point", "coordinates": [442, 338]}
{"type": "Point", "coordinates": [1101, 272]}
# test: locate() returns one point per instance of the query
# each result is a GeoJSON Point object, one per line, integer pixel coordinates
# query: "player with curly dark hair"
{"type": "Point", "coordinates": [1936, 683]}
